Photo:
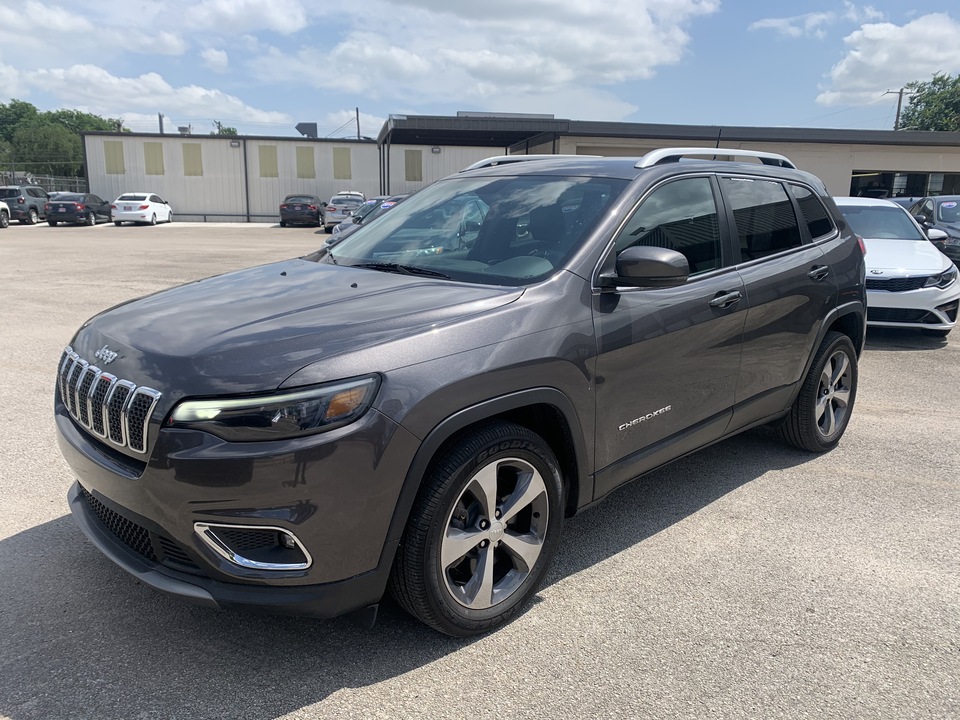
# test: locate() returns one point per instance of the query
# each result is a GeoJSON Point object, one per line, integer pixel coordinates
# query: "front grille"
{"type": "Point", "coordinates": [897, 284]}
{"type": "Point", "coordinates": [113, 409]}
{"type": "Point", "coordinates": [898, 315]}
{"type": "Point", "coordinates": [150, 546]}
{"type": "Point", "coordinates": [134, 536]}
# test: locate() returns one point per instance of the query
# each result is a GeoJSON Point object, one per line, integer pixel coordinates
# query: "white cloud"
{"type": "Point", "coordinates": [10, 84]}
{"type": "Point", "coordinates": [814, 24]}
{"type": "Point", "coordinates": [238, 16]}
{"type": "Point", "coordinates": [435, 50]}
{"type": "Point", "coordinates": [93, 89]}
{"type": "Point", "coordinates": [216, 60]}
{"type": "Point", "coordinates": [884, 56]}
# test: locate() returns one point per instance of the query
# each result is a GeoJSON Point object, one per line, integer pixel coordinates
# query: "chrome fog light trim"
{"type": "Point", "coordinates": [207, 532]}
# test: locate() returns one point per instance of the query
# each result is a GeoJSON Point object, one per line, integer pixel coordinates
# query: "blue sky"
{"type": "Point", "coordinates": [265, 65]}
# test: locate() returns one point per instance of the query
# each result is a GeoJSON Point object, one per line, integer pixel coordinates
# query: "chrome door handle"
{"type": "Point", "coordinates": [723, 300]}
{"type": "Point", "coordinates": [819, 272]}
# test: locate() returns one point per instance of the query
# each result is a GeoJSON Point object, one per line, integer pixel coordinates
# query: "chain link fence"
{"type": "Point", "coordinates": [47, 182]}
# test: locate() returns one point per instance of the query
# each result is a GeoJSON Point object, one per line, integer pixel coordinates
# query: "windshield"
{"type": "Point", "coordinates": [491, 230]}
{"type": "Point", "coordinates": [879, 222]}
{"type": "Point", "coordinates": [368, 207]}
{"type": "Point", "coordinates": [948, 211]}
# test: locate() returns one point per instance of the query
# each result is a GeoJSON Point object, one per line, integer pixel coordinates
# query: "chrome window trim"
{"type": "Point", "coordinates": [206, 532]}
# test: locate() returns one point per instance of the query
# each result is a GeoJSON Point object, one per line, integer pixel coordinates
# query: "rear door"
{"type": "Point", "coordinates": [790, 286]}
{"type": "Point", "coordinates": [668, 358]}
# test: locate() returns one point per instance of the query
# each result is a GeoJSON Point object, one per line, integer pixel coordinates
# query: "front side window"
{"type": "Point", "coordinates": [764, 217]}
{"type": "Point", "coordinates": [681, 216]}
{"type": "Point", "coordinates": [492, 230]}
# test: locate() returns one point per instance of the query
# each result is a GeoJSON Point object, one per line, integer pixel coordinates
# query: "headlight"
{"type": "Point", "coordinates": [943, 280]}
{"type": "Point", "coordinates": [279, 415]}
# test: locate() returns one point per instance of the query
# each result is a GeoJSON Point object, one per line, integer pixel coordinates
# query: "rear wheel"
{"type": "Point", "coordinates": [482, 531]}
{"type": "Point", "coordinates": [153, 219]}
{"type": "Point", "coordinates": [4, 219]}
{"type": "Point", "coordinates": [117, 223]}
{"type": "Point", "coordinates": [32, 217]}
{"type": "Point", "coordinates": [52, 223]}
{"type": "Point", "coordinates": [90, 219]}
{"type": "Point", "coordinates": [283, 223]}
{"type": "Point", "coordinates": [820, 413]}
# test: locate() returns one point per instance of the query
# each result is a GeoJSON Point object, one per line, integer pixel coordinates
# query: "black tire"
{"type": "Point", "coordinates": [328, 229]}
{"type": "Point", "coordinates": [822, 410]}
{"type": "Point", "coordinates": [937, 333]}
{"type": "Point", "coordinates": [90, 219]}
{"type": "Point", "coordinates": [32, 217]}
{"type": "Point", "coordinates": [170, 217]}
{"type": "Point", "coordinates": [52, 223]}
{"type": "Point", "coordinates": [117, 223]}
{"type": "Point", "coordinates": [456, 595]}
{"type": "Point", "coordinates": [4, 220]}
{"type": "Point", "coordinates": [153, 219]}
{"type": "Point", "coordinates": [283, 223]}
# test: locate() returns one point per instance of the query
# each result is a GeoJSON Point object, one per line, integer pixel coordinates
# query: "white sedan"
{"type": "Point", "coordinates": [910, 283]}
{"type": "Point", "coordinates": [140, 208]}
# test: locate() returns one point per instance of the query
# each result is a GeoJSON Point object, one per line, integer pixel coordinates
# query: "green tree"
{"type": "Point", "coordinates": [933, 105]}
{"type": "Point", "coordinates": [45, 148]}
{"type": "Point", "coordinates": [220, 129]}
{"type": "Point", "coordinates": [12, 114]}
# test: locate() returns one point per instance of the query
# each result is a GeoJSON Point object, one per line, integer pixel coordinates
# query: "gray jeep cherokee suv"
{"type": "Point", "coordinates": [418, 407]}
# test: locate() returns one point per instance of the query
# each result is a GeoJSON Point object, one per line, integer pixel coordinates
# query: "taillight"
{"type": "Point", "coordinates": [144, 207]}
{"type": "Point", "coordinates": [113, 207]}
{"type": "Point", "coordinates": [20, 201]}
{"type": "Point", "coordinates": [311, 207]}
{"type": "Point", "coordinates": [79, 206]}
{"type": "Point", "coordinates": [46, 207]}
{"type": "Point", "coordinates": [863, 247]}
{"type": "Point", "coordinates": [284, 207]}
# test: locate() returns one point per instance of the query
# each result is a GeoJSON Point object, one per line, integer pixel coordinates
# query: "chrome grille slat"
{"type": "Point", "coordinates": [113, 409]}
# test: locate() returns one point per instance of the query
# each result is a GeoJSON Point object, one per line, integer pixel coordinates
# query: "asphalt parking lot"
{"type": "Point", "coordinates": [748, 581]}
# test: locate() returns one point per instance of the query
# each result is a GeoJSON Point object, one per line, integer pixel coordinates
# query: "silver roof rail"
{"type": "Point", "coordinates": [665, 155]}
{"type": "Point", "coordinates": [507, 159]}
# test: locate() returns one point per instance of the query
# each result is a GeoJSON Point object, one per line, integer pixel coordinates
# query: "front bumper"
{"type": "Point", "coordinates": [927, 308]}
{"type": "Point", "coordinates": [336, 494]}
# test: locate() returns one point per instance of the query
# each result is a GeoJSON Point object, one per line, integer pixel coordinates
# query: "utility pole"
{"type": "Point", "coordinates": [358, 123]}
{"type": "Point", "coordinates": [899, 94]}
{"type": "Point", "coordinates": [160, 118]}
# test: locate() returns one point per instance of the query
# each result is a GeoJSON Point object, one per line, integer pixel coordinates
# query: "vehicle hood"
{"type": "Point", "coordinates": [904, 258]}
{"type": "Point", "coordinates": [249, 330]}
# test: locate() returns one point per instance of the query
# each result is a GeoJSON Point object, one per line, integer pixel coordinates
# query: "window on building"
{"type": "Point", "coordinates": [268, 161]}
{"type": "Point", "coordinates": [305, 166]}
{"type": "Point", "coordinates": [153, 158]}
{"type": "Point", "coordinates": [341, 164]}
{"type": "Point", "coordinates": [766, 223]}
{"type": "Point", "coordinates": [113, 157]}
{"type": "Point", "coordinates": [413, 165]}
{"type": "Point", "coordinates": [192, 160]}
{"type": "Point", "coordinates": [681, 216]}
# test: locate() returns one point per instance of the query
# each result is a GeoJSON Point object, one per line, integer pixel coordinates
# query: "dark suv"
{"type": "Point", "coordinates": [418, 407]}
{"type": "Point", "coordinates": [25, 202]}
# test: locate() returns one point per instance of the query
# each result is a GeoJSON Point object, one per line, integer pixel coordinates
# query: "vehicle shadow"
{"type": "Point", "coordinates": [895, 339]}
{"type": "Point", "coordinates": [83, 639]}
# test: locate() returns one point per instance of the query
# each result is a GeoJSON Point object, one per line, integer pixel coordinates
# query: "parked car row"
{"type": "Point", "coordinates": [29, 205]}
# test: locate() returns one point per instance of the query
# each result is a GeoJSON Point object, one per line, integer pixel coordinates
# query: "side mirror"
{"type": "Point", "coordinates": [938, 237]}
{"type": "Point", "coordinates": [923, 219]}
{"type": "Point", "coordinates": [651, 267]}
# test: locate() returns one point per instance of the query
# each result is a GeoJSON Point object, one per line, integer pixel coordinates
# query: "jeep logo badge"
{"type": "Point", "coordinates": [105, 354]}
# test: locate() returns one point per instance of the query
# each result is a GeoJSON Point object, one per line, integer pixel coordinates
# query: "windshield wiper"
{"type": "Point", "coordinates": [401, 269]}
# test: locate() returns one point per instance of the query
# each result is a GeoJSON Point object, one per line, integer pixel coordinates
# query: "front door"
{"type": "Point", "coordinates": [668, 359]}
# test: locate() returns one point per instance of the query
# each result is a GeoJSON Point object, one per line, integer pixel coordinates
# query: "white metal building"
{"type": "Point", "coordinates": [214, 177]}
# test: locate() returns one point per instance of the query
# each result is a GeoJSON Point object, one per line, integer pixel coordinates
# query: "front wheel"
{"type": "Point", "coordinates": [4, 220]}
{"type": "Point", "coordinates": [117, 223]}
{"type": "Point", "coordinates": [821, 412]}
{"type": "Point", "coordinates": [170, 216]}
{"type": "Point", "coordinates": [482, 531]}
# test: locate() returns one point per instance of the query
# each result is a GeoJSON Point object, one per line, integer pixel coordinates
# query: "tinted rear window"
{"type": "Point", "coordinates": [9, 192]}
{"type": "Point", "coordinates": [131, 198]}
{"type": "Point", "coordinates": [300, 199]}
{"type": "Point", "coordinates": [69, 197]}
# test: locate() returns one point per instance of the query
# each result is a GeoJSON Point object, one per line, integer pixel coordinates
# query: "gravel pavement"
{"type": "Point", "coordinates": [747, 581]}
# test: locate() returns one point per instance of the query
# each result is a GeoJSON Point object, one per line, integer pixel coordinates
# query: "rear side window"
{"type": "Point", "coordinates": [9, 193]}
{"type": "Point", "coordinates": [681, 216]}
{"type": "Point", "coordinates": [814, 214]}
{"type": "Point", "coordinates": [764, 217]}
